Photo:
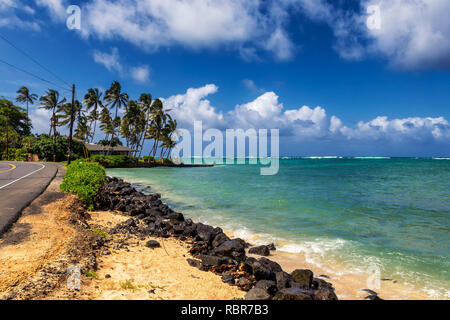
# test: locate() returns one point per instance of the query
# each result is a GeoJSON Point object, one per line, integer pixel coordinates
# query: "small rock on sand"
{"type": "Point", "coordinates": [152, 244]}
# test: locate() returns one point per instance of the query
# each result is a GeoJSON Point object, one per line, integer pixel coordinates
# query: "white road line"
{"type": "Point", "coordinates": [23, 177]}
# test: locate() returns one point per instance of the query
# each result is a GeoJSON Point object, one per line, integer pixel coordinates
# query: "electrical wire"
{"type": "Point", "coordinates": [33, 75]}
{"type": "Point", "coordinates": [33, 59]}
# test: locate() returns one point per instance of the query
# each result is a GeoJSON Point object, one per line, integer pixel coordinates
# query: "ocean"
{"type": "Point", "coordinates": [385, 216]}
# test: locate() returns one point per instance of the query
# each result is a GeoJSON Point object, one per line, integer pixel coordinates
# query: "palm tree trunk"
{"type": "Point", "coordinates": [93, 134]}
{"type": "Point", "coordinates": [140, 144]}
{"type": "Point", "coordinates": [155, 147]}
{"type": "Point", "coordinates": [54, 135]}
{"type": "Point", "coordinates": [144, 134]}
{"type": "Point", "coordinates": [112, 135]}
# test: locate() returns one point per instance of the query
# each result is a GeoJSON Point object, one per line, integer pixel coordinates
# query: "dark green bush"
{"type": "Point", "coordinates": [84, 179]}
{"type": "Point", "coordinates": [113, 161]}
{"type": "Point", "coordinates": [148, 159]}
{"type": "Point", "coordinates": [166, 161]}
{"type": "Point", "coordinates": [43, 147]}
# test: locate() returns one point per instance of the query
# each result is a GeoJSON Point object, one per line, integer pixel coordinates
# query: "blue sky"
{"type": "Point", "coordinates": [311, 68]}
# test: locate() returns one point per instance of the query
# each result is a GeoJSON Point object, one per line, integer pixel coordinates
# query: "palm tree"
{"type": "Point", "coordinates": [64, 113]}
{"type": "Point", "coordinates": [93, 100]}
{"type": "Point", "coordinates": [145, 103]}
{"type": "Point", "coordinates": [133, 125]}
{"type": "Point", "coordinates": [26, 96]}
{"type": "Point", "coordinates": [157, 122]}
{"type": "Point", "coordinates": [51, 102]}
{"type": "Point", "coordinates": [82, 132]}
{"type": "Point", "coordinates": [167, 142]}
{"type": "Point", "coordinates": [106, 122]}
{"type": "Point", "coordinates": [115, 99]}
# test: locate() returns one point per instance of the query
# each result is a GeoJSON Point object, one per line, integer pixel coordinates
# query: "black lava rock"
{"type": "Point", "coordinates": [152, 244]}
{"type": "Point", "coordinates": [261, 250]}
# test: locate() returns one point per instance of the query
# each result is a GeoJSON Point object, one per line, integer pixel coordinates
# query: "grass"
{"type": "Point", "coordinates": [128, 285]}
{"type": "Point", "coordinates": [100, 233]}
{"type": "Point", "coordinates": [91, 275]}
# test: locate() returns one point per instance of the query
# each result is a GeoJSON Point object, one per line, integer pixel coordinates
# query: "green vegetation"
{"type": "Point", "coordinates": [84, 179]}
{"type": "Point", "coordinates": [143, 119]}
{"type": "Point", "coordinates": [100, 233]}
{"type": "Point", "coordinates": [18, 127]}
{"type": "Point", "coordinates": [91, 274]}
{"type": "Point", "coordinates": [128, 285]}
{"type": "Point", "coordinates": [51, 102]}
{"type": "Point", "coordinates": [148, 159]}
{"type": "Point", "coordinates": [42, 146]}
{"type": "Point", "coordinates": [113, 161]}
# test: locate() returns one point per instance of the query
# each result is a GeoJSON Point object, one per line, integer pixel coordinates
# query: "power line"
{"type": "Point", "coordinates": [32, 59]}
{"type": "Point", "coordinates": [33, 75]}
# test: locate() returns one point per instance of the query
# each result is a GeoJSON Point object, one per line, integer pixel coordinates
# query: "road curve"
{"type": "Point", "coordinates": [20, 184]}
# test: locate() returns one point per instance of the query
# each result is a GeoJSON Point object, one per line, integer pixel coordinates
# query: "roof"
{"type": "Point", "coordinates": [97, 147]}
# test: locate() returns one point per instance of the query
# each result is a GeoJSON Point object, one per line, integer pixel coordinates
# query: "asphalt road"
{"type": "Point", "coordinates": [20, 184]}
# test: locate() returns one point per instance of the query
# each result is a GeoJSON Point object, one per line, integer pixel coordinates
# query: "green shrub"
{"type": "Point", "coordinates": [148, 159]}
{"type": "Point", "coordinates": [84, 179]}
{"type": "Point", "coordinates": [21, 154]}
{"type": "Point", "coordinates": [113, 161]}
{"type": "Point", "coordinates": [43, 147]}
{"type": "Point", "coordinates": [166, 161]}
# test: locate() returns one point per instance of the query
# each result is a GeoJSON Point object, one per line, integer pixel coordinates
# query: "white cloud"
{"type": "Point", "coordinates": [413, 128]}
{"type": "Point", "coordinates": [109, 60]}
{"type": "Point", "coordinates": [303, 124]}
{"type": "Point", "coordinates": [414, 34]}
{"type": "Point", "coordinates": [250, 85]}
{"type": "Point", "coordinates": [40, 118]}
{"type": "Point", "coordinates": [281, 45]}
{"type": "Point", "coordinates": [193, 106]}
{"type": "Point", "coordinates": [140, 74]}
{"type": "Point", "coordinates": [56, 8]}
{"type": "Point", "coordinates": [9, 18]}
{"type": "Point", "coordinates": [247, 26]}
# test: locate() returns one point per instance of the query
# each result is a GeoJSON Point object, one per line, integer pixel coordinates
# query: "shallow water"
{"type": "Point", "coordinates": [389, 217]}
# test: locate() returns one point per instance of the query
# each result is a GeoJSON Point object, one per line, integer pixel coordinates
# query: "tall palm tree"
{"type": "Point", "coordinates": [64, 112]}
{"type": "Point", "coordinates": [51, 102]}
{"type": "Point", "coordinates": [106, 122]}
{"type": "Point", "coordinates": [167, 142]}
{"type": "Point", "coordinates": [157, 122]}
{"type": "Point", "coordinates": [134, 124]}
{"type": "Point", "coordinates": [115, 99]}
{"type": "Point", "coordinates": [26, 96]}
{"type": "Point", "coordinates": [93, 100]}
{"type": "Point", "coordinates": [82, 132]}
{"type": "Point", "coordinates": [145, 103]}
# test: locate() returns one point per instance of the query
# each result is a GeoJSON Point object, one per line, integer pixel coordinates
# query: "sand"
{"type": "Point", "coordinates": [141, 273]}
{"type": "Point", "coordinates": [39, 237]}
{"type": "Point", "coordinates": [35, 254]}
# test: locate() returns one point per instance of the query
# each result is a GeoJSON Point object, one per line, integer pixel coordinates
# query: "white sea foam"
{"type": "Point", "coordinates": [372, 158]}
{"type": "Point", "coordinates": [441, 158]}
{"type": "Point", "coordinates": [324, 157]}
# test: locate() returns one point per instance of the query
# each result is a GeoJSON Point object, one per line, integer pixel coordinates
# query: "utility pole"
{"type": "Point", "coordinates": [72, 119]}
{"type": "Point", "coordinates": [7, 139]}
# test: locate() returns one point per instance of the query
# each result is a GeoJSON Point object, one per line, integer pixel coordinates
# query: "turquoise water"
{"type": "Point", "coordinates": [392, 214]}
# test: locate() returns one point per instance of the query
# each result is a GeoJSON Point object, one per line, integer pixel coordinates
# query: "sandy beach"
{"type": "Point", "coordinates": [141, 273]}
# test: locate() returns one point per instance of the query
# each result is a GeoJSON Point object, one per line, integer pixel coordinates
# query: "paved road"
{"type": "Point", "coordinates": [20, 184]}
